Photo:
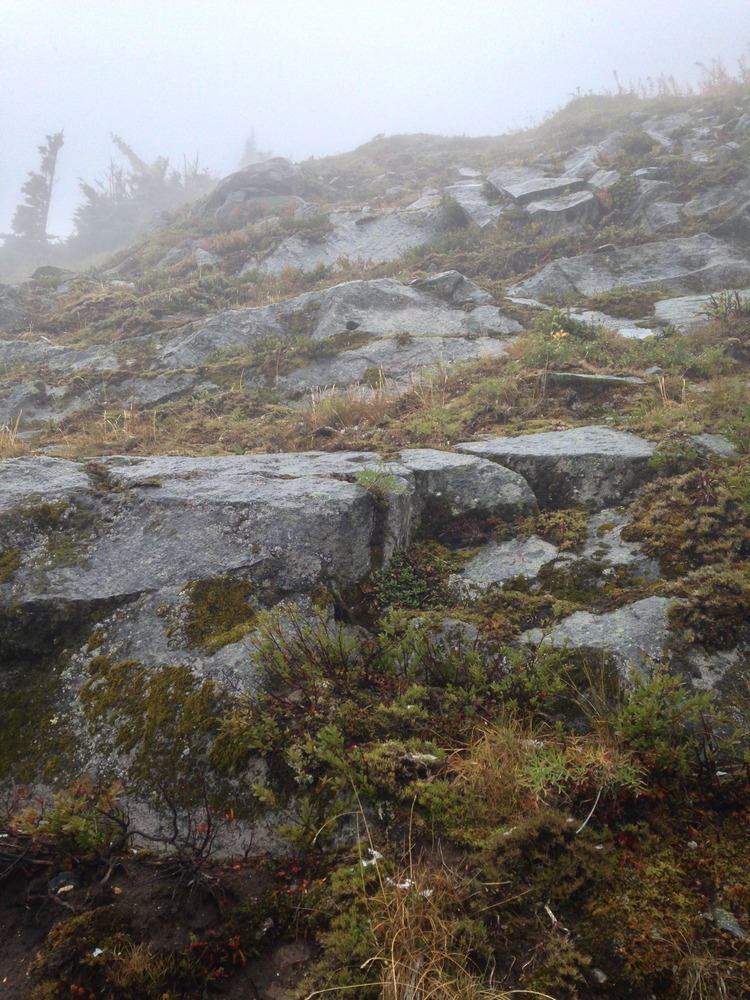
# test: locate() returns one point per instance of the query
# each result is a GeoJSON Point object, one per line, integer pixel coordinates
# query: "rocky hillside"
{"type": "Point", "coordinates": [374, 543]}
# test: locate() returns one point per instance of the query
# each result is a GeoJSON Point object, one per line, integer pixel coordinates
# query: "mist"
{"type": "Point", "coordinates": [193, 78]}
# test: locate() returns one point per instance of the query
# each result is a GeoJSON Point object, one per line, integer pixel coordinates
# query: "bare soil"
{"type": "Point", "coordinates": [172, 906]}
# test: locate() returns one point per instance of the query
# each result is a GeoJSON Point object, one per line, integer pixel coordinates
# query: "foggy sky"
{"type": "Point", "coordinates": [314, 77]}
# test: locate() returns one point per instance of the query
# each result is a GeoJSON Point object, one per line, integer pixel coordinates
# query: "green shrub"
{"type": "Point", "coordinates": [658, 718]}
{"type": "Point", "coordinates": [85, 819]}
{"type": "Point", "coordinates": [416, 578]}
{"type": "Point", "coordinates": [555, 320]}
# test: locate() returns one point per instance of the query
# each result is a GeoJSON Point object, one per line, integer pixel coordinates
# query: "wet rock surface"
{"type": "Point", "coordinates": [592, 464]}
{"type": "Point", "coordinates": [690, 264]}
{"type": "Point", "coordinates": [111, 558]}
{"type": "Point", "coordinates": [499, 563]}
{"type": "Point", "coordinates": [633, 636]}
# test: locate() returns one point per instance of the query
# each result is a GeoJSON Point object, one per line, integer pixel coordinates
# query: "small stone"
{"type": "Point", "coordinates": [728, 923]}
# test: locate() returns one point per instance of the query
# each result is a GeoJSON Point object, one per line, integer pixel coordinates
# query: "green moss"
{"type": "Point", "coordinates": [506, 612]}
{"type": "Point", "coordinates": [624, 301]}
{"type": "Point", "coordinates": [675, 453]}
{"type": "Point", "coordinates": [716, 609]}
{"type": "Point", "coordinates": [696, 519]}
{"type": "Point", "coordinates": [301, 322]}
{"type": "Point", "coordinates": [97, 954]}
{"type": "Point", "coordinates": [161, 719]}
{"type": "Point", "coordinates": [10, 563]}
{"type": "Point", "coordinates": [96, 639]}
{"type": "Point", "coordinates": [375, 377]}
{"type": "Point", "coordinates": [65, 528]}
{"type": "Point", "coordinates": [46, 516]}
{"type": "Point", "coordinates": [322, 599]}
{"type": "Point", "coordinates": [101, 477]}
{"type": "Point", "coordinates": [567, 529]}
{"type": "Point", "coordinates": [345, 340]}
{"type": "Point", "coordinates": [35, 740]}
{"type": "Point", "coordinates": [416, 577]}
{"type": "Point", "coordinates": [216, 612]}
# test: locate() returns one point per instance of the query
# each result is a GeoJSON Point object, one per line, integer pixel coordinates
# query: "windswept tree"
{"type": "Point", "coordinates": [30, 219]}
{"type": "Point", "coordinates": [118, 207]}
{"type": "Point", "coordinates": [252, 153]}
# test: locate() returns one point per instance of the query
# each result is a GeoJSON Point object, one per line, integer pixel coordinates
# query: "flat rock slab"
{"type": "Point", "coordinates": [633, 636]}
{"type": "Point", "coordinates": [290, 534]}
{"type": "Point", "coordinates": [602, 180]}
{"type": "Point", "coordinates": [450, 486]}
{"type": "Point", "coordinates": [125, 535]}
{"type": "Point", "coordinates": [617, 324]}
{"type": "Point", "coordinates": [13, 352]}
{"type": "Point", "coordinates": [700, 263]}
{"type": "Point", "coordinates": [120, 538]}
{"type": "Point", "coordinates": [453, 287]}
{"type": "Point", "coordinates": [34, 403]}
{"type": "Point", "coordinates": [120, 545]}
{"type": "Point", "coordinates": [605, 552]}
{"type": "Point", "coordinates": [535, 189]}
{"type": "Point", "coordinates": [402, 365]}
{"type": "Point", "coordinates": [13, 313]}
{"type": "Point", "coordinates": [367, 235]}
{"type": "Point", "coordinates": [471, 197]}
{"type": "Point", "coordinates": [592, 465]}
{"type": "Point", "coordinates": [716, 445]}
{"type": "Point", "coordinates": [688, 312]}
{"type": "Point", "coordinates": [382, 307]}
{"type": "Point", "coordinates": [565, 211]}
{"type": "Point", "coordinates": [500, 562]}
{"type": "Point", "coordinates": [592, 385]}
{"type": "Point", "coordinates": [43, 477]}
{"type": "Point", "coordinates": [504, 177]}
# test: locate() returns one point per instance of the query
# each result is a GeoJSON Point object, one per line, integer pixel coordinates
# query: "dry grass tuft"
{"type": "Point", "coordinates": [11, 445]}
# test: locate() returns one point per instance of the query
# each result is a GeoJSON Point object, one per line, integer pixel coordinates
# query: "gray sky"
{"type": "Point", "coordinates": [314, 77]}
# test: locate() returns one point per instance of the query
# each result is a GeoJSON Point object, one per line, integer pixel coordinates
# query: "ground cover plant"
{"type": "Point", "coordinates": [458, 812]}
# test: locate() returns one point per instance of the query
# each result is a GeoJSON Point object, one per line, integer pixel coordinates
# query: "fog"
{"type": "Point", "coordinates": [312, 77]}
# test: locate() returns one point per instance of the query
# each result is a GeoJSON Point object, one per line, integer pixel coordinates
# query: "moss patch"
{"type": "Point", "coordinates": [10, 562]}
{"type": "Point", "coordinates": [162, 719]}
{"type": "Point", "coordinates": [700, 518]}
{"type": "Point", "coordinates": [216, 612]}
{"type": "Point", "coordinates": [630, 303]}
{"type": "Point", "coordinates": [35, 740]}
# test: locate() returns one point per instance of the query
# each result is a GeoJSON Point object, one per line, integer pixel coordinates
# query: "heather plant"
{"type": "Point", "coordinates": [84, 819]}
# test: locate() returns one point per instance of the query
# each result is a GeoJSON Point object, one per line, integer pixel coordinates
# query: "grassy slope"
{"type": "Point", "coordinates": [539, 828]}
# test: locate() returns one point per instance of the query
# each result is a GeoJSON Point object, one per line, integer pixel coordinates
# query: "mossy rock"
{"type": "Point", "coordinates": [10, 562]}
{"type": "Point", "coordinates": [215, 613]}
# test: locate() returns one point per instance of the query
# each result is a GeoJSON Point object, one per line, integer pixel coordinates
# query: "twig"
{"type": "Point", "coordinates": [596, 803]}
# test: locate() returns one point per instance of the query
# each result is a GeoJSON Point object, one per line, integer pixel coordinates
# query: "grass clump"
{"type": "Point", "coordinates": [404, 927]}
{"type": "Point", "coordinates": [630, 303]}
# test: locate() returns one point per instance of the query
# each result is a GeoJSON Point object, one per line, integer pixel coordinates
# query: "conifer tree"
{"type": "Point", "coordinates": [30, 219]}
{"type": "Point", "coordinates": [118, 207]}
